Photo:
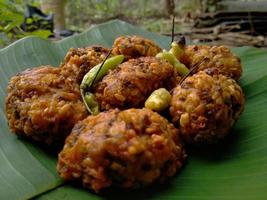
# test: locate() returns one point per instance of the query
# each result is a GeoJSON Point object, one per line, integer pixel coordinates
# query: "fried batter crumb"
{"type": "Point", "coordinates": [43, 106]}
{"type": "Point", "coordinates": [205, 107]}
{"type": "Point", "coordinates": [78, 61]}
{"type": "Point", "coordinates": [219, 60]}
{"type": "Point", "coordinates": [130, 148]}
{"type": "Point", "coordinates": [129, 85]}
{"type": "Point", "coordinates": [134, 47]}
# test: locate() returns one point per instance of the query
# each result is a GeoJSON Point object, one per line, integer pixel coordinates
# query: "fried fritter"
{"type": "Point", "coordinates": [130, 148]}
{"type": "Point", "coordinates": [134, 47]}
{"type": "Point", "coordinates": [129, 85]}
{"type": "Point", "coordinates": [219, 60]}
{"type": "Point", "coordinates": [40, 105]}
{"type": "Point", "coordinates": [78, 61]}
{"type": "Point", "coordinates": [205, 107]}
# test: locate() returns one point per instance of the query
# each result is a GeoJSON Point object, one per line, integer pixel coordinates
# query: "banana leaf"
{"type": "Point", "coordinates": [236, 168]}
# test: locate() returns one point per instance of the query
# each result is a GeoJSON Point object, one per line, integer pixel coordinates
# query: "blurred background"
{"type": "Point", "coordinates": [230, 22]}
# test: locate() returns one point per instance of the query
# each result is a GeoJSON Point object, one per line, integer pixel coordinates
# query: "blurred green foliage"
{"type": "Point", "coordinates": [12, 17]}
{"type": "Point", "coordinates": [81, 14]}
{"type": "Point", "coordinates": [149, 14]}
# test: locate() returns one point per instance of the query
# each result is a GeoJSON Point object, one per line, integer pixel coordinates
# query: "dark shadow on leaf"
{"type": "Point", "coordinates": [53, 149]}
{"type": "Point", "coordinates": [115, 193]}
{"type": "Point", "coordinates": [223, 150]}
{"type": "Point", "coordinates": [141, 193]}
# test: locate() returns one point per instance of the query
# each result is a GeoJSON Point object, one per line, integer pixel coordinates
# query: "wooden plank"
{"type": "Point", "coordinates": [244, 6]}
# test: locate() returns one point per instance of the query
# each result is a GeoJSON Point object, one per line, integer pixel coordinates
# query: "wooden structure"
{"type": "Point", "coordinates": [236, 22]}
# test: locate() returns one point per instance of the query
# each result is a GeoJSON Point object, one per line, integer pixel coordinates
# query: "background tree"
{"type": "Point", "coordinates": [57, 7]}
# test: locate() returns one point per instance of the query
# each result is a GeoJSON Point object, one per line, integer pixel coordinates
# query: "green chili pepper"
{"type": "Point", "coordinates": [178, 66]}
{"type": "Point", "coordinates": [91, 103]}
{"type": "Point", "coordinates": [158, 100]}
{"type": "Point", "coordinates": [176, 50]}
{"type": "Point", "coordinates": [95, 74]}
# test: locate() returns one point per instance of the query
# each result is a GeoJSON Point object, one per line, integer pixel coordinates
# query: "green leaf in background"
{"type": "Point", "coordinates": [40, 33]}
{"type": "Point", "coordinates": [236, 168]}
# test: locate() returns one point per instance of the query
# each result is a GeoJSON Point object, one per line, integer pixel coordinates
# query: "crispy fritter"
{"type": "Point", "coordinates": [205, 107]}
{"type": "Point", "coordinates": [132, 82]}
{"type": "Point", "coordinates": [78, 61]}
{"type": "Point", "coordinates": [134, 47]}
{"type": "Point", "coordinates": [219, 60]}
{"type": "Point", "coordinates": [129, 148]}
{"type": "Point", "coordinates": [41, 106]}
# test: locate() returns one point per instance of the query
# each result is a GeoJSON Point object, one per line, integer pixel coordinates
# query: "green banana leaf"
{"type": "Point", "coordinates": [236, 168]}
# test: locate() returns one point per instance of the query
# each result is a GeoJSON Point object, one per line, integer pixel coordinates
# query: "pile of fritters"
{"type": "Point", "coordinates": [127, 145]}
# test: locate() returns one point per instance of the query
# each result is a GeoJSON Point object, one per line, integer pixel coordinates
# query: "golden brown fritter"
{"type": "Point", "coordinates": [132, 82]}
{"type": "Point", "coordinates": [41, 106]}
{"type": "Point", "coordinates": [205, 107]}
{"type": "Point", "coordinates": [134, 47]}
{"type": "Point", "coordinates": [129, 148]}
{"type": "Point", "coordinates": [78, 61]}
{"type": "Point", "coordinates": [219, 60]}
